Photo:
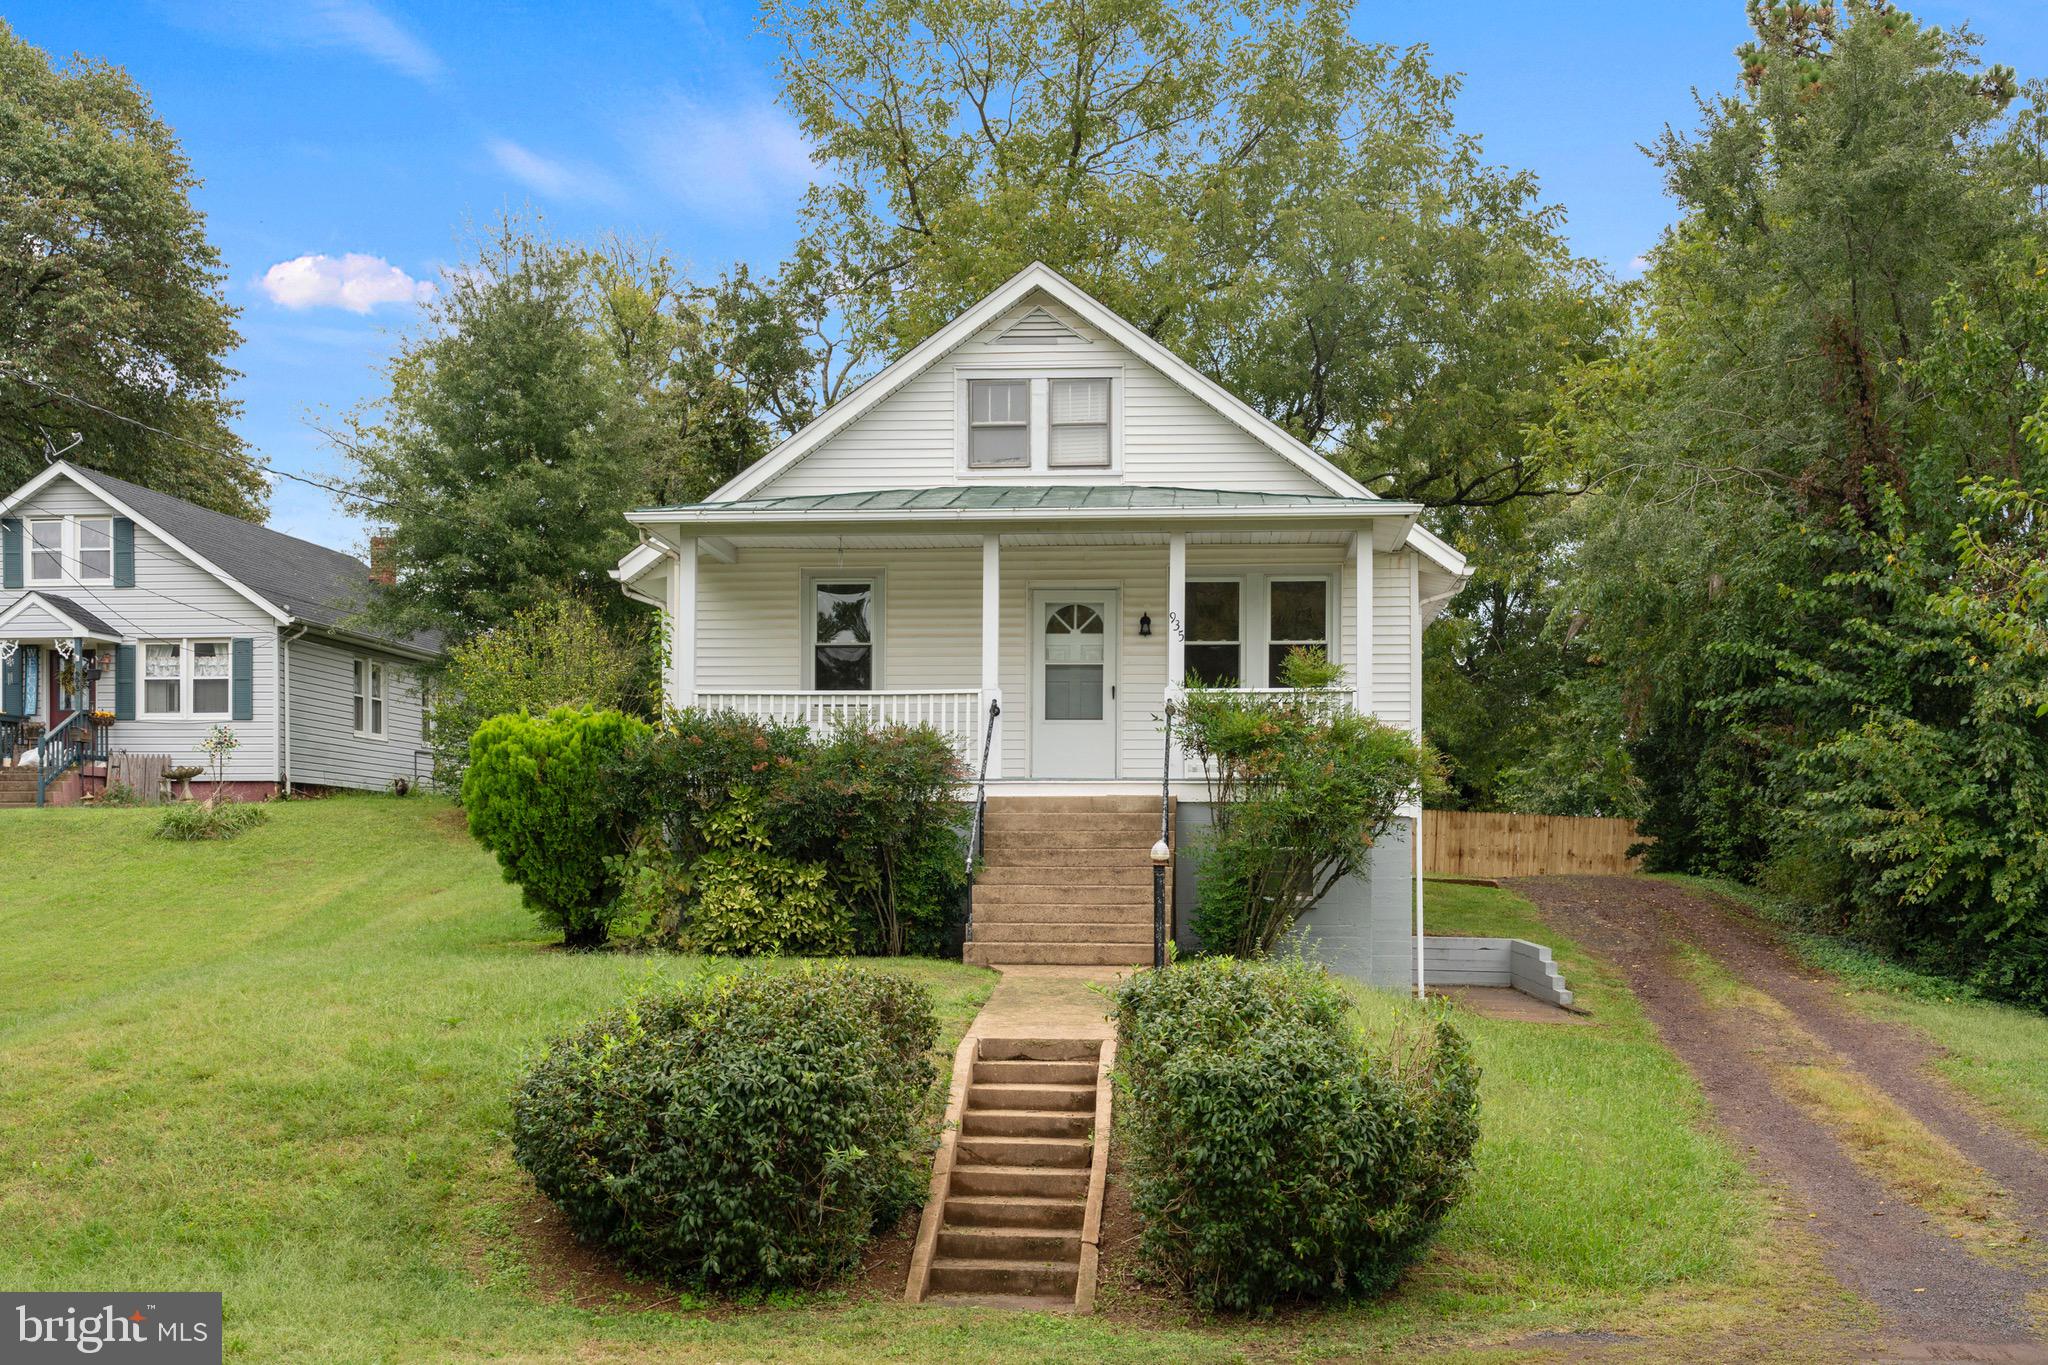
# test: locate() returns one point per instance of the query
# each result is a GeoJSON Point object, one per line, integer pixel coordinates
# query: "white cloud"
{"type": "Point", "coordinates": [555, 179]}
{"type": "Point", "coordinates": [356, 282]}
{"type": "Point", "coordinates": [359, 26]}
{"type": "Point", "coordinates": [739, 162]}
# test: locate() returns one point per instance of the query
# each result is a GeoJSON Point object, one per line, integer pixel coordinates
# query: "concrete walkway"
{"type": "Point", "coordinates": [1049, 1002]}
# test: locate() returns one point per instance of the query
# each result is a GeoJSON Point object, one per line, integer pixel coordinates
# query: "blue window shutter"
{"type": "Point", "coordinates": [12, 693]}
{"type": "Point", "coordinates": [124, 553]}
{"type": "Point", "coordinates": [124, 682]}
{"type": "Point", "coordinates": [10, 550]}
{"type": "Point", "coordinates": [243, 682]}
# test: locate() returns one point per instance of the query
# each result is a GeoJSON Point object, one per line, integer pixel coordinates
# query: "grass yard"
{"type": "Point", "coordinates": [1996, 1053]}
{"type": "Point", "coordinates": [280, 1068]}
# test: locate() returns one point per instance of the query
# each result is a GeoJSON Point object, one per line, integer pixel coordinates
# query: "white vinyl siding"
{"type": "Point", "coordinates": [326, 751]}
{"type": "Point", "coordinates": [1166, 436]}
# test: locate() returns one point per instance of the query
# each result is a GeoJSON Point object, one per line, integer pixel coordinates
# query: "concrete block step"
{"type": "Point", "coordinates": [1074, 803]}
{"type": "Point", "coordinates": [1041, 1050]}
{"type": "Point", "coordinates": [1015, 1212]}
{"type": "Point", "coordinates": [1043, 1245]}
{"type": "Point", "coordinates": [1067, 1098]}
{"type": "Point", "coordinates": [996, 1072]}
{"type": "Point", "coordinates": [1008, 1303]}
{"type": "Point", "coordinates": [998, 840]}
{"type": "Point", "coordinates": [952, 1275]}
{"type": "Point", "coordinates": [1059, 954]}
{"type": "Point", "coordinates": [1068, 860]}
{"type": "Point", "coordinates": [1051, 1123]}
{"type": "Point", "coordinates": [1000, 928]}
{"type": "Point", "coordinates": [993, 1181]}
{"type": "Point", "coordinates": [1075, 897]}
{"type": "Point", "coordinates": [1123, 874]}
{"type": "Point", "coordinates": [1059, 1153]}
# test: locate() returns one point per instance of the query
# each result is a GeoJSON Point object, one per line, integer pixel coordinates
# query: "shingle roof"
{"type": "Point", "coordinates": [1025, 497]}
{"type": "Point", "coordinates": [308, 582]}
{"type": "Point", "coordinates": [78, 614]}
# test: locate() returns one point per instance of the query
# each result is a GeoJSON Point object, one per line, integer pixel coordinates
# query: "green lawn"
{"type": "Point", "coordinates": [280, 1068]}
{"type": "Point", "coordinates": [1997, 1053]}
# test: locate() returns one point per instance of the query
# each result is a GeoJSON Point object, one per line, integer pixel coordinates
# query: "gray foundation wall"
{"type": "Point", "coordinates": [1365, 927]}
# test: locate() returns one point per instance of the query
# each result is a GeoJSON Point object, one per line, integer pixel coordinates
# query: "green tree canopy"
{"type": "Point", "coordinates": [109, 290]}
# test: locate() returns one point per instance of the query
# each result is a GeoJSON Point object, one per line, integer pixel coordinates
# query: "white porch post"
{"type": "Point", "coordinates": [1415, 711]}
{"type": "Point", "coordinates": [991, 647]}
{"type": "Point", "coordinates": [1176, 614]}
{"type": "Point", "coordinates": [1361, 629]}
{"type": "Point", "coordinates": [682, 625]}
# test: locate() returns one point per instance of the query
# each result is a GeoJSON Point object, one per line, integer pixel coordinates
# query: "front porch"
{"type": "Point", "coordinates": [55, 733]}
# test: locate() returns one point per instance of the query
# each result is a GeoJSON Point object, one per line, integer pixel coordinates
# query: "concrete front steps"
{"type": "Point", "coordinates": [17, 788]}
{"type": "Point", "coordinates": [1065, 880]}
{"type": "Point", "coordinates": [1016, 1199]}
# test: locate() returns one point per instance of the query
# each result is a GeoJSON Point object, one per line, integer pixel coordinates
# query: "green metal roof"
{"type": "Point", "coordinates": [1117, 497]}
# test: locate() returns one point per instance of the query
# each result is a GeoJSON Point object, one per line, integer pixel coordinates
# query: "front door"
{"type": "Point", "coordinates": [65, 700]}
{"type": "Point", "coordinates": [1073, 683]}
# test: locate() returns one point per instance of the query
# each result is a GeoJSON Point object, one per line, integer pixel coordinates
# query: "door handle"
{"type": "Point", "coordinates": [1112, 691]}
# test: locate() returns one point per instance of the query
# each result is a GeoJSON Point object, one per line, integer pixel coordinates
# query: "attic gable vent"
{"type": "Point", "coordinates": [1039, 328]}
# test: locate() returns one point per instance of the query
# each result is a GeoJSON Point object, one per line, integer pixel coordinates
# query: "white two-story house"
{"type": "Point", "coordinates": [134, 623]}
{"type": "Point", "coordinates": [1029, 531]}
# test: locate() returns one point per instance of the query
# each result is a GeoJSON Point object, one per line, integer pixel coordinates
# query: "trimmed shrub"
{"type": "Point", "coordinates": [750, 813]}
{"type": "Point", "coordinates": [754, 1128]}
{"type": "Point", "coordinates": [1270, 1155]}
{"type": "Point", "coordinates": [536, 796]}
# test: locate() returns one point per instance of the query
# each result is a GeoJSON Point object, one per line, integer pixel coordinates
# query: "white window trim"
{"type": "Point", "coordinates": [380, 691]}
{"type": "Point", "coordinates": [1040, 377]}
{"type": "Point", "coordinates": [1255, 613]}
{"type": "Point", "coordinates": [69, 548]}
{"type": "Point", "coordinates": [807, 622]}
{"type": "Point", "coordinates": [187, 679]}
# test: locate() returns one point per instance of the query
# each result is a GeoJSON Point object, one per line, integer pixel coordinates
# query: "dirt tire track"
{"type": "Point", "coordinates": [1927, 1287]}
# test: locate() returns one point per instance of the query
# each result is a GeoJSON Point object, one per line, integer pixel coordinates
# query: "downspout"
{"type": "Point", "coordinates": [284, 703]}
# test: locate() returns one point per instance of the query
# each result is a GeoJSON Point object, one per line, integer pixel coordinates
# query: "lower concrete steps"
{"type": "Point", "coordinates": [1017, 1179]}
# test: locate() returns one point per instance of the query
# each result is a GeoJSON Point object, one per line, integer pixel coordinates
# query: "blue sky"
{"type": "Point", "coordinates": [346, 145]}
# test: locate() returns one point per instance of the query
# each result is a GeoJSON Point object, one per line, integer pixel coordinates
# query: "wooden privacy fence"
{"type": "Point", "coordinates": [1467, 843]}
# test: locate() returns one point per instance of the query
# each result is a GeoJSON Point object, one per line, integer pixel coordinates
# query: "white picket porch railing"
{"type": "Point", "coordinates": [953, 712]}
{"type": "Point", "coordinates": [1326, 701]}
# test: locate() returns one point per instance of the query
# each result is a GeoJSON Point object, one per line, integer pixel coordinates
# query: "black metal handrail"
{"type": "Point", "coordinates": [61, 750]}
{"type": "Point", "coordinates": [977, 829]}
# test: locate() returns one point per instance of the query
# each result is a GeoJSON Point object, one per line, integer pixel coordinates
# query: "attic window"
{"type": "Point", "coordinates": [999, 423]}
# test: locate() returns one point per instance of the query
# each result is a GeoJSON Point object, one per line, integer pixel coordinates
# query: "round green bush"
{"type": "Point", "coordinates": [536, 796]}
{"type": "Point", "coordinates": [749, 1129]}
{"type": "Point", "coordinates": [1271, 1157]}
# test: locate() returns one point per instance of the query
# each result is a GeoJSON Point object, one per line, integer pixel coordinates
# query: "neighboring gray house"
{"type": "Point", "coordinates": [1031, 531]}
{"type": "Point", "coordinates": [165, 619]}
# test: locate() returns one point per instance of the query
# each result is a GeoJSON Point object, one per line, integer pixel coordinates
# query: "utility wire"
{"type": "Point", "coordinates": [261, 466]}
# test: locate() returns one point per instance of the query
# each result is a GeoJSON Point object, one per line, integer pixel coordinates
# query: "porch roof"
{"type": "Point", "coordinates": [1029, 498]}
{"type": "Point", "coordinates": [22, 621]}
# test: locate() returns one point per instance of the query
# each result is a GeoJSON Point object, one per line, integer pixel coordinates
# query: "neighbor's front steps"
{"type": "Point", "coordinates": [17, 788]}
{"type": "Point", "coordinates": [1016, 1209]}
{"type": "Point", "coordinates": [1066, 880]}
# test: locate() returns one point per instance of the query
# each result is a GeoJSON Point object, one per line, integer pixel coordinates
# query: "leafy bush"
{"type": "Point", "coordinates": [194, 821]}
{"type": "Point", "coordinates": [751, 1129]}
{"type": "Point", "coordinates": [536, 794]}
{"type": "Point", "coordinates": [1269, 1157]}
{"type": "Point", "coordinates": [741, 803]}
{"type": "Point", "coordinates": [1300, 790]}
{"type": "Point", "coordinates": [559, 653]}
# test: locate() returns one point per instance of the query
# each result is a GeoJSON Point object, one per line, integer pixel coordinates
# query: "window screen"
{"type": "Point", "coordinates": [998, 423]}
{"type": "Point", "coordinates": [96, 548]}
{"type": "Point", "coordinates": [843, 642]}
{"type": "Point", "coordinates": [1300, 619]}
{"type": "Point", "coordinates": [1080, 424]}
{"type": "Point", "coordinates": [211, 678]}
{"type": "Point", "coordinates": [1215, 639]}
{"type": "Point", "coordinates": [46, 549]}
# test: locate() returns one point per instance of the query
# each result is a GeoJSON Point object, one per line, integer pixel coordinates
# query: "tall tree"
{"type": "Point", "coordinates": [110, 292]}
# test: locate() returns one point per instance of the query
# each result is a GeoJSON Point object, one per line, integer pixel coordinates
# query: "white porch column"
{"type": "Point", "coordinates": [1415, 711]}
{"type": "Point", "coordinates": [1176, 614]}
{"type": "Point", "coordinates": [991, 647]}
{"type": "Point", "coordinates": [1361, 629]}
{"type": "Point", "coordinates": [682, 625]}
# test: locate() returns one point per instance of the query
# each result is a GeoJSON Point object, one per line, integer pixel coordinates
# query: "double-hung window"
{"type": "Point", "coordinates": [369, 699]}
{"type": "Point", "coordinates": [187, 678]}
{"type": "Point", "coordinates": [46, 551]}
{"type": "Point", "coordinates": [96, 549]}
{"type": "Point", "coordinates": [1214, 648]}
{"type": "Point", "coordinates": [843, 635]}
{"type": "Point", "coordinates": [999, 423]}
{"type": "Point", "coordinates": [1297, 617]}
{"type": "Point", "coordinates": [1079, 433]}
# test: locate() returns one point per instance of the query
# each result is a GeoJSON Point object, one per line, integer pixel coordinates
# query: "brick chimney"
{"type": "Point", "coordinates": [383, 561]}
